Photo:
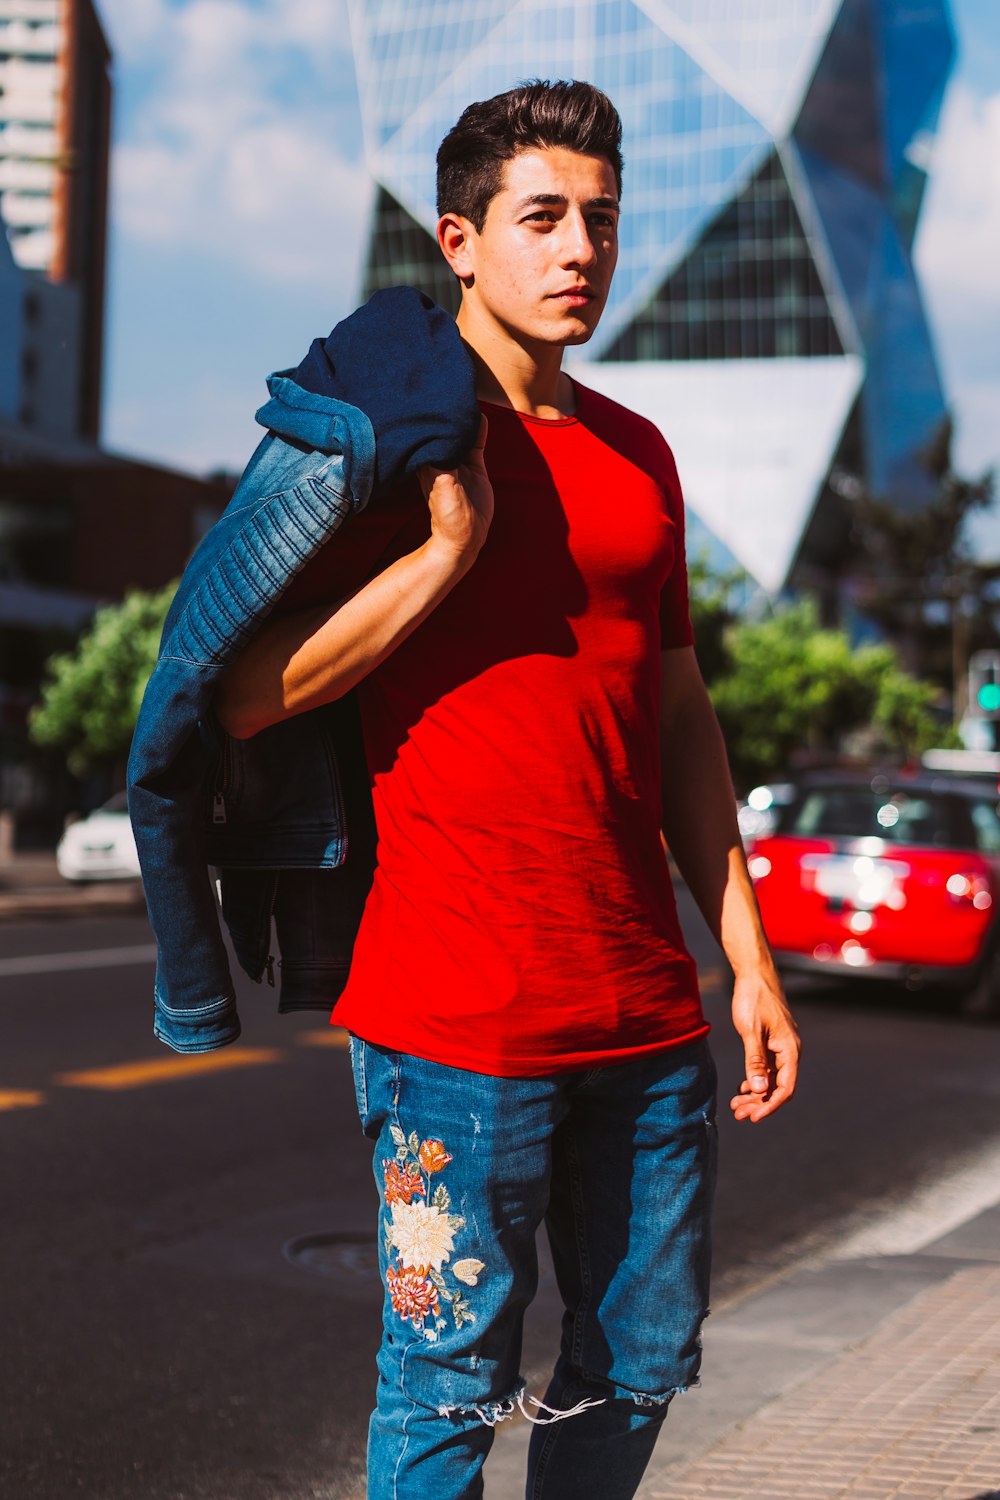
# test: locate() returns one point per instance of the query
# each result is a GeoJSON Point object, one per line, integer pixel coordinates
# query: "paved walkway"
{"type": "Point", "coordinates": [864, 1379]}
{"type": "Point", "coordinates": [912, 1411]}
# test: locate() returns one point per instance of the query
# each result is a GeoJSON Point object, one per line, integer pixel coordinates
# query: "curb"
{"type": "Point", "coordinates": [768, 1349]}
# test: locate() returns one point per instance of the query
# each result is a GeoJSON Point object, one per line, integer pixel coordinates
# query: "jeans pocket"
{"type": "Point", "coordinates": [358, 1049]}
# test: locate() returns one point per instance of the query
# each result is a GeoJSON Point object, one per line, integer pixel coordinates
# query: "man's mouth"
{"type": "Point", "coordinates": [575, 296]}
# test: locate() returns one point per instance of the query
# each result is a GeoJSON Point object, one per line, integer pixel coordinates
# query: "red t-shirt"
{"type": "Point", "coordinates": [522, 919]}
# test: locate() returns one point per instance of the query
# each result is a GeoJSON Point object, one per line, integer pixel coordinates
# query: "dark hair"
{"type": "Point", "coordinates": [472, 156]}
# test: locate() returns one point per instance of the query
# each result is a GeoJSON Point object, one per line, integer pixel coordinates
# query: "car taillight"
{"type": "Point", "coordinates": [970, 887]}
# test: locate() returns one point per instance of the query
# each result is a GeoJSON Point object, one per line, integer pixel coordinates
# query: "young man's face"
{"type": "Point", "coordinates": [541, 268]}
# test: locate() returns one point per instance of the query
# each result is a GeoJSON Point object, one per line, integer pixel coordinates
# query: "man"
{"type": "Point", "coordinates": [528, 1041]}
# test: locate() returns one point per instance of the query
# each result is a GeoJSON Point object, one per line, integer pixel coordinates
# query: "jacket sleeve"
{"type": "Point", "coordinates": [291, 499]}
{"type": "Point", "coordinates": [194, 997]}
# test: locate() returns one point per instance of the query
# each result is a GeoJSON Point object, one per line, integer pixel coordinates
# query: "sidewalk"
{"type": "Point", "coordinates": [31, 886]}
{"type": "Point", "coordinates": [858, 1379]}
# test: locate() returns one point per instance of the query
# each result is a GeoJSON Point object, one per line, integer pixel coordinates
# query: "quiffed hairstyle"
{"type": "Point", "coordinates": [472, 156]}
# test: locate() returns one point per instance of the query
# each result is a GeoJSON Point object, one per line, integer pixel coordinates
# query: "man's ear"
{"type": "Point", "coordinates": [457, 238]}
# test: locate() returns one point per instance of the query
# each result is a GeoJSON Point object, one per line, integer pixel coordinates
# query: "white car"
{"type": "Point", "coordinates": [101, 846]}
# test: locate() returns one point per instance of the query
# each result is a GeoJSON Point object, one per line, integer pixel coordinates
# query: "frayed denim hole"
{"type": "Point", "coordinates": [490, 1413]}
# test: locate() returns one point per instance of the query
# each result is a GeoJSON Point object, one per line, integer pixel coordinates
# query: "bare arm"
{"type": "Point", "coordinates": [315, 655]}
{"type": "Point", "coordinates": [699, 822]}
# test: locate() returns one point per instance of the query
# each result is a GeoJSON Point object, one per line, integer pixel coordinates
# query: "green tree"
{"type": "Point", "coordinates": [715, 605]}
{"type": "Point", "coordinates": [91, 696]}
{"type": "Point", "coordinates": [793, 691]}
{"type": "Point", "coordinates": [916, 574]}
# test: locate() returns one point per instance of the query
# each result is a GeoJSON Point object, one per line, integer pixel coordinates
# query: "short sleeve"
{"type": "Point", "coordinates": [675, 611]}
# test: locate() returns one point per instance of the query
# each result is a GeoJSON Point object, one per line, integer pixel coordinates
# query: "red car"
{"type": "Point", "coordinates": [892, 877]}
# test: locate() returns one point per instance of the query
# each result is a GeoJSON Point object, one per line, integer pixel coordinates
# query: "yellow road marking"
{"type": "Point", "coordinates": [20, 1098]}
{"type": "Point", "coordinates": [136, 1075]}
{"type": "Point", "coordinates": [329, 1036]}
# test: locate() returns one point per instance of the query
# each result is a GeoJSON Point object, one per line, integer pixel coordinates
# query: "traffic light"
{"type": "Point", "coordinates": [984, 684]}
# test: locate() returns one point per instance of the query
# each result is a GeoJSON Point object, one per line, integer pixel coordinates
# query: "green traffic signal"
{"type": "Point", "coordinates": [988, 697]}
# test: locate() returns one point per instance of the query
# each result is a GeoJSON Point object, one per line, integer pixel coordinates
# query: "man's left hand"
{"type": "Point", "coordinates": [771, 1044]}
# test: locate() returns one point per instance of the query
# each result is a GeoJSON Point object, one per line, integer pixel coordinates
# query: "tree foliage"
{"type": "Point", "coordinates": [783, 687]}
{"type": "Point", "coordinates": [716, 601]}
{"type": "Point", "coordinates": [91, 696]}
{"type": "Point", "coordinates": [917, 578]}
{"type": "Point", "coordinates": [790, 691]}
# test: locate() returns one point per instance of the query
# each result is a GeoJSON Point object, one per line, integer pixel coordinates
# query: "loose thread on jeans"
{"type": "Point", "coordinates": [554, 1414]}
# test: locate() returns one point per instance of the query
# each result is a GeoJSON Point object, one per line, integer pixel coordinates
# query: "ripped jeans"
{"type": "Point", "coordinates": [619, 1161]}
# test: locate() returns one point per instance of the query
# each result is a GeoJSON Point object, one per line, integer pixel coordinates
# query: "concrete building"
{"type": "Point", "coordinates": [78, 526]}
{"type": "Point", "coordinates": [55, 115]}
{"type": "Point", "coordinates": [765, 313]}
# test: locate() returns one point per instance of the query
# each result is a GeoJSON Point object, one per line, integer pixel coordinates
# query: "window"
{"type": "Point", "coordinates": [897, 817]}
{"type": "Point", "coordinates": [986, 822]}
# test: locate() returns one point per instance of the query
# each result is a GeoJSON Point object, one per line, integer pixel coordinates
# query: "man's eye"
{"type": "Point", "coordinates": [543, 215]}
{"type": "Point", "coordinates": [603, 221]}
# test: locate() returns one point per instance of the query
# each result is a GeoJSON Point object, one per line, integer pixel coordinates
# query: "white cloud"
{"type": "Point", "coordinates": [238, 148]}
{"type": "Point", "coordinates": [133, 25]}
{"type": "Point", "coordinates": [956, 256]}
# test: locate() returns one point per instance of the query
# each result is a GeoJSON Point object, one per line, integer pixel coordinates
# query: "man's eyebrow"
{"type": "Point", "coordinates": [558, 200]}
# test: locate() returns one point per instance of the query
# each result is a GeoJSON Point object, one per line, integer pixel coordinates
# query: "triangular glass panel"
{"type": "Point", "coordinates": [842, 115]}
{"type": "Point", "coordinates": [851, 213]}
{"type": "Point", "coordinates": [918, 49]}
{"type": "Point", "coordinates": [767, 47]}
{"type": "Point", "coordinates": [405, 51]}
{"type": "Point", "coordinates": [902, 401]}
{"type": "Point", "coordinates": [749, 289]}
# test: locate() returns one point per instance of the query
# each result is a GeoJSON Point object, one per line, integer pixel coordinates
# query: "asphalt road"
{"type": "Point", "coordinates": [187, 1257]}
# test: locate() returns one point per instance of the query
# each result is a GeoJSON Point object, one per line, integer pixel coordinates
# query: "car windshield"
{"type": "Point", "coordinates": [899, 817]}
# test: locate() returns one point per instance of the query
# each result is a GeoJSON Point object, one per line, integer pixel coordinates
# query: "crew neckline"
{"type": "Point", "coordinates": [539, 421]}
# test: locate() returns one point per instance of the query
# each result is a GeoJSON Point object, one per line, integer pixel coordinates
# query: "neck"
{"type": "Point", "coordinates": [510, 372]}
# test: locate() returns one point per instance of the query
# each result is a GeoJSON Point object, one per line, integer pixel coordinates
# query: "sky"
{"type": "Point", "coordinates": [240, 204]}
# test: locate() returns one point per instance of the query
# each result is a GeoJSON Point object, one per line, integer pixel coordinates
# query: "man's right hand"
{"type": "Point", "coordinates": [460, 503]}
{"type": "Point", "coordinates": [299, 660]}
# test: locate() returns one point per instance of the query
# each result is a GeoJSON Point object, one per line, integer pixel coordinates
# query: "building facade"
{"type": "Point", "coordinates": [55, 116]}
{"type": "Point", "coordinates": [765, 312]}
{"type": "Point", "coordinates": [79, 527]}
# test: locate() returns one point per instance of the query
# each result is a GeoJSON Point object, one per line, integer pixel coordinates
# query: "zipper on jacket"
{"type": "Point", "coordinates": [219, 800]}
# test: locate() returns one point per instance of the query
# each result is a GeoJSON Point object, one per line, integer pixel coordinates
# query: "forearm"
{"type": "Point", "coordinates": [298, 661]}
{"type": "Point", "coordinates": [699, 823]}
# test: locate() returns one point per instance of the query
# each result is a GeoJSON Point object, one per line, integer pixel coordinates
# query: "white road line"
{"type": "Point", "coordinates": [88, 958]}
{"type": "Point", "coordinates": [932, 1210]}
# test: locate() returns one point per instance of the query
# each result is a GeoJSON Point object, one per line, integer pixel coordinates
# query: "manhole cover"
{"type": "Point", "coordinates": [346, 1251]}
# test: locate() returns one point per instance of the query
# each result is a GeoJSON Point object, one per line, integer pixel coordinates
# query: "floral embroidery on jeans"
{"type": "Point", "coordinates": [421, 1234]}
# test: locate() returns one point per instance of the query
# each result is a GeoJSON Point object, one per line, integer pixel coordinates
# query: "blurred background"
{"type": "Point", "coordinates": [805, 304]}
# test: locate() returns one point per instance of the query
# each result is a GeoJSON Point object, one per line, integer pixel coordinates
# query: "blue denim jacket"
{"type": "Point", "coordinates": [272, 812]}
{"type": "Point", "coordinates": [392, 388]}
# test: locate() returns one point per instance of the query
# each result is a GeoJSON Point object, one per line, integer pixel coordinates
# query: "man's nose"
{"type": "Point", "coordinates": [577, 248]}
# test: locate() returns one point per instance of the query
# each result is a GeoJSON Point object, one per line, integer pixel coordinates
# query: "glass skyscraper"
{"type": "Point", "coordinates": [765, 312]}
